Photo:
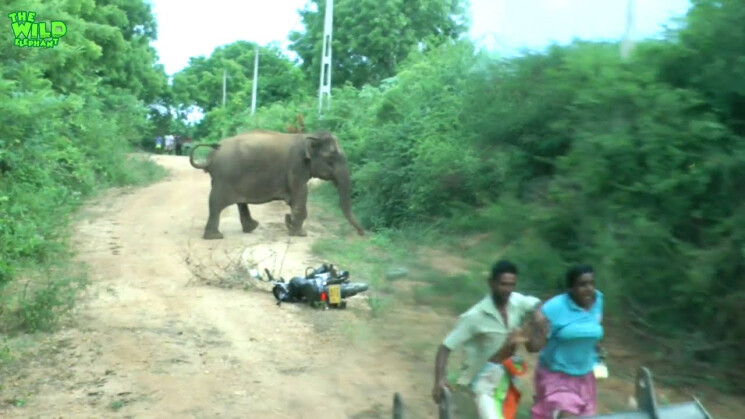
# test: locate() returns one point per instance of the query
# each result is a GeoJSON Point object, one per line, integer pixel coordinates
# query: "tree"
{"type": "Point", "coordinates": [200, 83]}
{"type": "Point", "coordinates": [372, 37]}
{"type": "Point", "coordinates": [71, 113]}
{"type": "Point", "coordinates": [123, 31]}
{"type": "Point", "coordinates": [106, 39]}
{"type": "Point", "coordinates": [707, 55]}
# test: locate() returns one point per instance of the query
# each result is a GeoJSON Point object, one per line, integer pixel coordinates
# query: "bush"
{"type": "Point", "coordinates": [66, 135]}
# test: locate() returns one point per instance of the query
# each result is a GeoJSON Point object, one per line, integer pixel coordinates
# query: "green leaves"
{"type": "Point", "coordinates": [372, 38]}
{"type": "Point", "coordinates": [69, 115]}
{"type": "Point", "coordinates": [200, 84]}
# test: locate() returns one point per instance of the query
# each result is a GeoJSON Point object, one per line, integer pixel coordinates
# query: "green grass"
{"type": "Point", "coordinates": [464, 241]}
{"type": "Point", "coordinates": [140, 170]}
{"type": "Point", "coordinates": [42, 291]}
{"type": "Point", "coordinates": [116, 405]}
{"type": "Point", "coordinates": [39, 298]}
{"type": "Point", "coordinates": [366, 262]}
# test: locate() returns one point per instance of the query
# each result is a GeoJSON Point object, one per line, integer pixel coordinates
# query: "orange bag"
{"type": "Point", "coordinates": [515, 367]}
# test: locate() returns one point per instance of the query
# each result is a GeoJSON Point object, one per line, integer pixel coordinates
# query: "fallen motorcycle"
{"type": "Point", "coordinates": [325, 286]}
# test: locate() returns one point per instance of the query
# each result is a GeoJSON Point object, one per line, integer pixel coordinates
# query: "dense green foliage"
{"type": "Point", "coordinates": [571, 155]}
{"type": "Point", "coordinates": [200, 83]}
{"type": "Point", "coordinates": [70, 114]}
{"type": "Point", "coordinates": [372, 37]}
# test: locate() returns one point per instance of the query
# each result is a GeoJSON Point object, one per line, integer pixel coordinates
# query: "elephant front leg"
{"type": "Point", "coordinates": [294, 220]}
{"type": "Point", "coordinates": [248, 223]}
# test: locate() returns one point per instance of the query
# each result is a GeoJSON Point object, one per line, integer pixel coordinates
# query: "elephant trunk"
{"type": "Point", "coordinates": [344, 186]}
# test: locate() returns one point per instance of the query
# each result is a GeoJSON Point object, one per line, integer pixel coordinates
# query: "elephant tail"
{"type": "Point", "coordinates": [206, 164]}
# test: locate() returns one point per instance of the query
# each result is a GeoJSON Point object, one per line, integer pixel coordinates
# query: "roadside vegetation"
{"type": "Point", "coordinates": [71, 116]}
{"type": "Point", "coordinates": [569, 155]}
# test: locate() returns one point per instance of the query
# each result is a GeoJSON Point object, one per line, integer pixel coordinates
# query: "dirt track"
{"type": "Point", "coordinates": [150, 341]}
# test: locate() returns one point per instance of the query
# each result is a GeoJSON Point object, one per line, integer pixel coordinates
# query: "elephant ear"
{"type": "Point", "coordinates": [312, 146]}
{"type": "Point", "coordinates": [315, 141]}
{"type": "Point", "coordinates": [323, 143]}
{"type": "Point", "coordinates": [316, 144]}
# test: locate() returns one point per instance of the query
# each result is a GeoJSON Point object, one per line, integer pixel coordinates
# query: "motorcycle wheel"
{"type": "Point", "coordinates": [350, 290]}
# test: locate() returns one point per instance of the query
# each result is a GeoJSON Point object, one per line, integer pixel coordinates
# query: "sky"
{"type": "Point", "coordinates": [190, 29]}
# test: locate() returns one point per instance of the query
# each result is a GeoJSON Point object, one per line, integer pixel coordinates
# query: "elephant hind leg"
{"type": "Point", "coordinates": [219, 200]}
{"type": "Point", "coordinates": [248, 223]}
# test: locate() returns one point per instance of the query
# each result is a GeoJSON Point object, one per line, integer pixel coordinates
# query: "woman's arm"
{"type": "Point", "coordinates": [509, 347]}
{"type": "Point", "coordinates": [538, 329]}
{"type": "Point", "coordinates": [533, 333]}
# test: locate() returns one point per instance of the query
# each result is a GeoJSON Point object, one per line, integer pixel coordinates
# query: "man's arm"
{"type": "Point", "coordinates": [462, 332]}
{"type": "Point", "coordinates": [441, 364]}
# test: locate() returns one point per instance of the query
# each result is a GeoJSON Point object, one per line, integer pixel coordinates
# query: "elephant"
{"type": "Point", "coordinates": [261, 166]}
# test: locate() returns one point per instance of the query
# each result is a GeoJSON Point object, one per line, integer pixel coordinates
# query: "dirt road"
{"type": "Point", "coordinates": [150, 341]}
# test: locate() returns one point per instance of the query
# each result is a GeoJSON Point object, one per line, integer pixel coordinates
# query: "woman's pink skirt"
{"type": "Point", "coordinates": [555, 391]}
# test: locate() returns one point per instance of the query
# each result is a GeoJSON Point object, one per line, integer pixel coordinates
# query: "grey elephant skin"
{"type": "Point", "coordinates": [261, 166]}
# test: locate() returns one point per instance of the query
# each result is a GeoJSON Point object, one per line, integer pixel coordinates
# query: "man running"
{"type": "Point", "coordinates": [489, 333]}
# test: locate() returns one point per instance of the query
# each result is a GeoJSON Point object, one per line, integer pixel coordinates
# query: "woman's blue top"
{"type": "Point", "coordinates": [573, 336]}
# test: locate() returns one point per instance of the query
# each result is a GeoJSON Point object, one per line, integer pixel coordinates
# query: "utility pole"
{"type": "Point", "coordinates": [325, 84]}
{"type": "Point", "coordinates": [224, 81]}
{"type": "Point", "coordinates": [626, 42]}
{"type": "Point", "coordinates": [256, 80]}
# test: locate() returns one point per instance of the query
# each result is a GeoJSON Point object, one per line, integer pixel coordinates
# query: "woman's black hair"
{"type": "Point", "coordinates": [575, 272]}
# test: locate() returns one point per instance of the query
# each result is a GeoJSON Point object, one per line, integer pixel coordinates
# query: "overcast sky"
{"type": "Point", "coordinates": [188, 29]}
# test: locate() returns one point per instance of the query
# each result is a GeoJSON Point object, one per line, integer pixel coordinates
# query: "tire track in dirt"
{"type": "Point", "coordinates": [150, 342]}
